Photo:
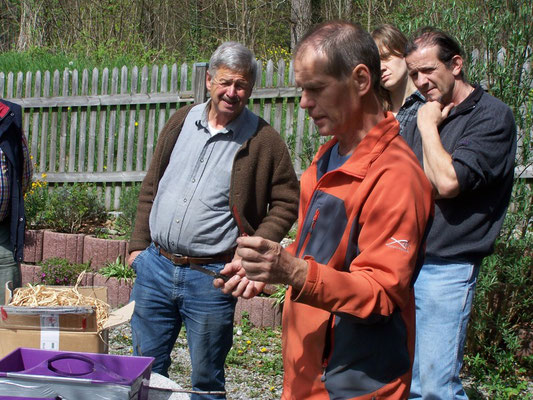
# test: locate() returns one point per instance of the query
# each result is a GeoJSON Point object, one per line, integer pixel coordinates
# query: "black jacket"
{"type": "Point", "coordinates": [11, 145]}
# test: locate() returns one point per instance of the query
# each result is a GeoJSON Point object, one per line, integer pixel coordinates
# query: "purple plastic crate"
{"type": "Point", "coordinates": [28, 398]}
{"type": "Point", "coordinates": [73, 375]}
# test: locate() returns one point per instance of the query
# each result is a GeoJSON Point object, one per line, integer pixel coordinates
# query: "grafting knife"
{"type": "Point", "coordinates": [207, 271]}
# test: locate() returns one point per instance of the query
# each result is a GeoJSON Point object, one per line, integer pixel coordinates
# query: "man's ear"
{"type": "Point", "coordinates": [362, 78]}
{"type": "Point", "coordinates": [208, 80]}
{"type": "Point", "coordinates": [456, 65]}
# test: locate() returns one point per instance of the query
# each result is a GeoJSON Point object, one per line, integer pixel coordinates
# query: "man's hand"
{"type": "Point", "coordinates": [432, 114]}
{"type": "Point", "coordinates": [133, 255]}
{"type": "Point", "coordinates": [267, 261]}
{"type": "Point", "coordinates": [238, 284]}
{"type": "Point", "coordinates": [436, 160]}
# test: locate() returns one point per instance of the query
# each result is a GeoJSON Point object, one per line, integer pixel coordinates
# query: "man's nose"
{"type": "Point", "coordinates": [232, 91]}
{"type": "Point", "coordinates": [305, 100]}
{"type": "Point", "coordinates": [420, 80]}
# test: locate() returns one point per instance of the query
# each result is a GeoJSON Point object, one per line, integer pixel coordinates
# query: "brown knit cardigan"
{"type": "Point", "coordinates": [264, 187]}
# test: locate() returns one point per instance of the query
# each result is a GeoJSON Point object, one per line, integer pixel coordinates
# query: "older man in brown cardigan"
{"type": "Point", "coordinates": [218, 171]}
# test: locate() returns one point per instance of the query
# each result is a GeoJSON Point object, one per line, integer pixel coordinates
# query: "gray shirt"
{"type": "Point", "coordinates": [191, 214]}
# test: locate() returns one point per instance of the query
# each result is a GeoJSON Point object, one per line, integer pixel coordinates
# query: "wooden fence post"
{"type": "Point", "coordinates": [198, 85]}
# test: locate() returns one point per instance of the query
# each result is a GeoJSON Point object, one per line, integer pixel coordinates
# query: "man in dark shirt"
{"type": "Point", "coordinates": [466, 141]}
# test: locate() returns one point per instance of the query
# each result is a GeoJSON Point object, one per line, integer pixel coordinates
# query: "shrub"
{"type": "Point", "coordinates": [125, 221]}
{"type": "Point", "coordinates": [69, 208]}
{"type": "Point", "coordinates": [59, 271]}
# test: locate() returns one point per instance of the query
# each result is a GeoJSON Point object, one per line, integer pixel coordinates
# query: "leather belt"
{"type": "Point", "coordinates": [183, 259]}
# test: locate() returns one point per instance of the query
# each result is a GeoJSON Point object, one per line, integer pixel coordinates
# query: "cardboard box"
{"type": "Point", "coordinates": [58, 328]}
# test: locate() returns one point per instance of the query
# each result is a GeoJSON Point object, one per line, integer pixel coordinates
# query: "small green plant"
{"type": "Point", "coordinates": [117, 269]}
{"type": "Point", "coordinates": [279, 295]}
{"type": "Point", "coordinates": [125, 221]}
{"type": "Point", "coordinates": [35, 201]}
{"type": "Point", "coordinates": [59, 271]}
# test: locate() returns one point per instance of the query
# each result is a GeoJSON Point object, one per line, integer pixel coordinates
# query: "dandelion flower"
{"type": "Point", "coordinates": [263, 350]}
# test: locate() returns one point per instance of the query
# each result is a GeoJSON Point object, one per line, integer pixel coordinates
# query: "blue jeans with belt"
{"type": "Point", "coordinates": [444, 292]}
{"type": "Point", "coordinates": [167, 295]}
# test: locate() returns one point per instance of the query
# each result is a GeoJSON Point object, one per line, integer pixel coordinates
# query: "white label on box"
{"type": "Point", "coordinates": [50, 332]}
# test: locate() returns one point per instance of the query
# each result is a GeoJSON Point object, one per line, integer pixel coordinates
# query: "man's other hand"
{"type": "Point", "coordinates": [238, 284]}
{"type": "Point", "coordinates": [133, 255]}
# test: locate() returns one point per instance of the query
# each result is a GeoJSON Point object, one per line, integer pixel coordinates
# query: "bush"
{"type": "Point", "coordinates": [69, 208]}
{"type": "Point", "coordinates": [59, 271]}
{"type": "Point", "coordinates": [125, 221]}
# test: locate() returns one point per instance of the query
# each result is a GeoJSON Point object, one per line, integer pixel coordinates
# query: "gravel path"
{"type": "Point", "coordinates": [241, 383]}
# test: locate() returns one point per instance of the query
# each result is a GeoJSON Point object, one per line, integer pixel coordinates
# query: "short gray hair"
{"type": "Point", "coordinates": [345, 46]}
{"type": "Point", "coordinates": [236, 57]}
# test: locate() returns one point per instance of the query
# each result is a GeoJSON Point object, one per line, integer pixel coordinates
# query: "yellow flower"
{"type": "Point", "coordinates": [136, 123]}
{"type": "Point", "coordinates": [248, 342]}
{"type": "Point", "coordinates": [43, 175]}
{"type": "Point", "coordinates": [263, 350]}
{"type": "Point", "coordinates": [239, 351]}
{"type": "Point", "coordinates": [272, 388]}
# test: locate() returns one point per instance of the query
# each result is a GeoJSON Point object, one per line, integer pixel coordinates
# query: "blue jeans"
{"type": "Point", "coordinates": [444, 292]}
{"type": "Point", "coordinates": [166, 296]}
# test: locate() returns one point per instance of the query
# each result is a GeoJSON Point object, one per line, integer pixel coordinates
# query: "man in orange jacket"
{"type": "Point", "coordinates": [348, 318]}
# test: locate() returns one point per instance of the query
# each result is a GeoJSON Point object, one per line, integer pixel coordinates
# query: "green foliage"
{"type": "Point", "coordinates": [35, 201]}
{"type": "Point", "coordinates": [59, 271]}
{"type": "Point", "coordinates": [125, 221]}
{"type": "Point", "coordinates": [69, 208]}
{"type": "Point", "coordinates": [249, 342]}
{"type": "Point", "coordinates": [117, 269]}
{"type": "Point", "coordinates": [279, 295]}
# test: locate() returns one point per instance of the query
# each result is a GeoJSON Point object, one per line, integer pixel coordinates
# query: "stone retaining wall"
{"type": "Point", "coordinates": [80, 248]}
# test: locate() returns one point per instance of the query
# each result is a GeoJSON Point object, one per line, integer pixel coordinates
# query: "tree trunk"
{"type": "Point", "coordinates": [30, 34]}
{"type": "Point", "coordinates": [300, 19]}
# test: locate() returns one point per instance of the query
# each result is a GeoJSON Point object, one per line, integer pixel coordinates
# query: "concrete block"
{"type": "Point", "coordinates": [33, 246]}
{"type": "Point", "coordinates": [63, 245]}
{"type": "Point", "coordinates": [30, 274]}
{"type": "Point", "coordinates": [101, 251]}
{"type": "Point", "coordinates": [124, 292]}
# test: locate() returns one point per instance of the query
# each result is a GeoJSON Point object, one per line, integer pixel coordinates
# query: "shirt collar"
{"type": "Point", "coordinates": [416, 96]}
{"type": "Point", "coordinates": [233, 127]}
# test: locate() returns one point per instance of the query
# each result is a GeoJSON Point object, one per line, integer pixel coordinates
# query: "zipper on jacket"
{"type": "Point", "coordinates": [308, 236]}
{"type": "Point", "coordinates": [328, 346]}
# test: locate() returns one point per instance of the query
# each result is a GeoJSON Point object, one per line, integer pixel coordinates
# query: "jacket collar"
{"type": "Point", "coordinates": [4, 110]}
{"type": "Point", "coordinates": [372, 145]}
